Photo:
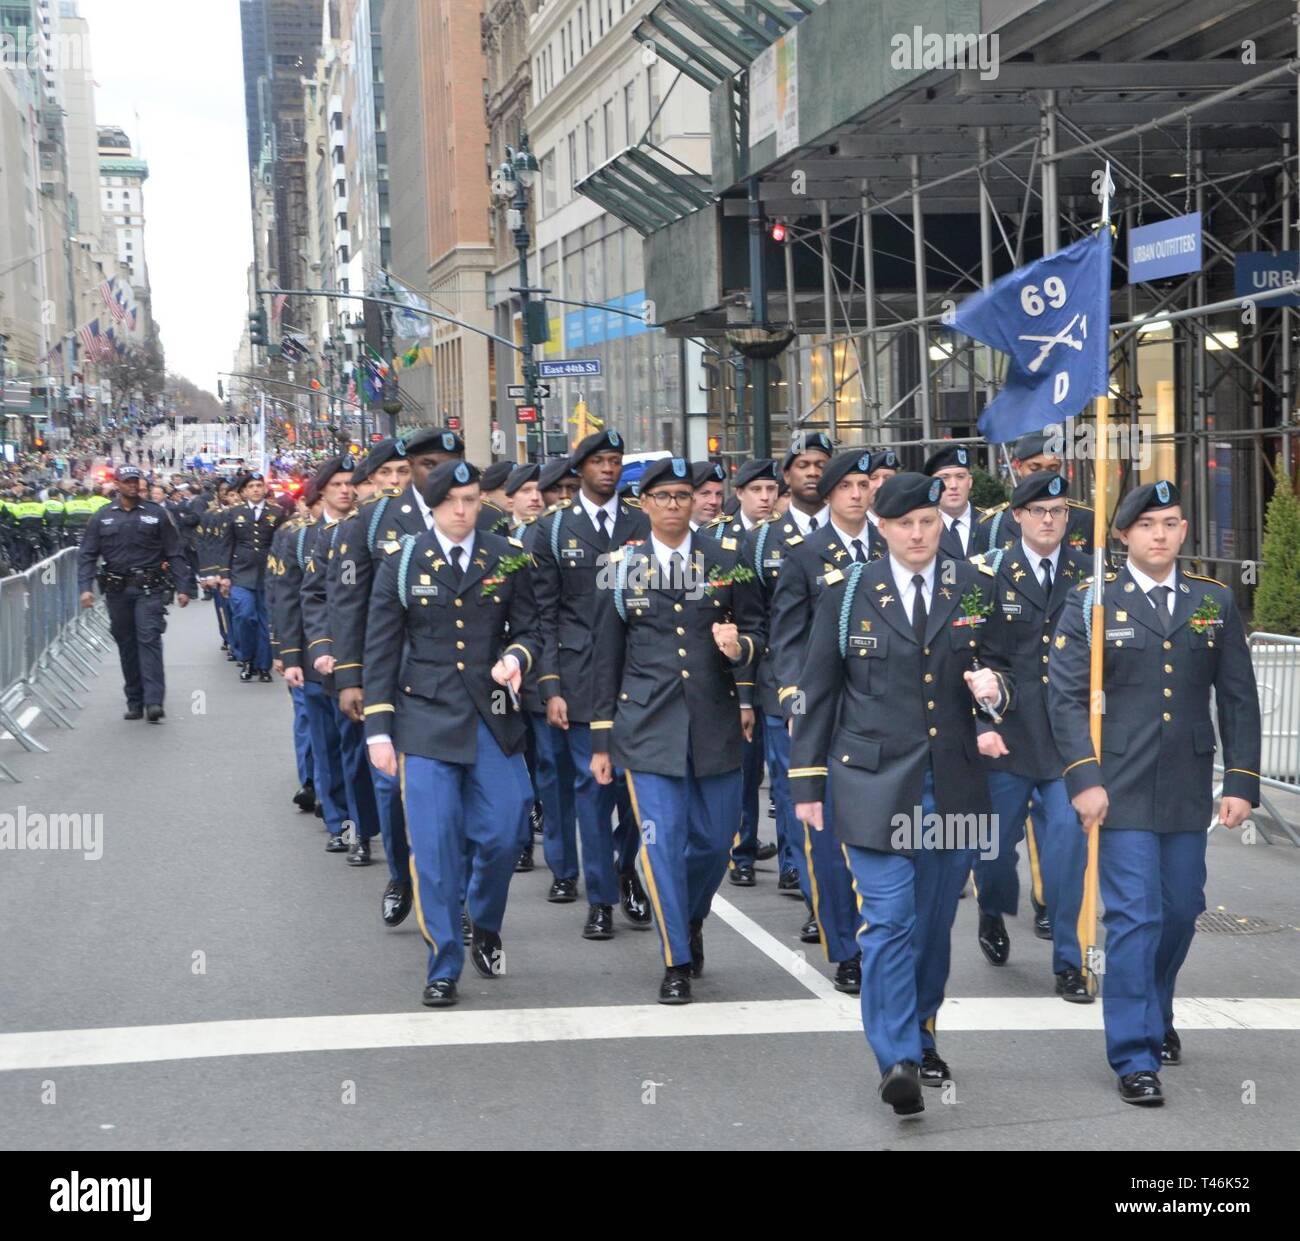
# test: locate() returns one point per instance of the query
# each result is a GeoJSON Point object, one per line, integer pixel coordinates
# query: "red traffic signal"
{"type": "Point", "coordinates": [778, 231]}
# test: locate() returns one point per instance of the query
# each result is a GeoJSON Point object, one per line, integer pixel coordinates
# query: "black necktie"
{"type": "Point", "coordinates": [1158, 596]}
{"type": "Point", "coordinates": [956, 529]}
{"type": "Point", "coordinates": [812, 524]}
{"type": "Point", "coordinates": [457, 553]}
{"type": "Point", "coordinates": [858, 551]}
{"type": "Point", "coordinates": [919, 615]}
{"type": "Point", "coordinates": [602, 521]}
{"type": "Point", "coordinates": [676, 572]}
{"type": "Point", "coordinates": [1046, 566]}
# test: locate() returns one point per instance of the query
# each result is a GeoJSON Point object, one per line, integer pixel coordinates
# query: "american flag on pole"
{"type": "Point", "coordinates": [113, 300]}
{"type": "Point", "coordinates": [277, 306]}
{"type": "Point", "coordinates": [88, 334]}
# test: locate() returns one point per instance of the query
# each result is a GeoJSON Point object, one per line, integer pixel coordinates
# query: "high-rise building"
{"type": "Point", "coordinates": [121, 177]}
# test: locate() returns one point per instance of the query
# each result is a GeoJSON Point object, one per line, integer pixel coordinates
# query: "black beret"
{"type": "Point", "coordinates": [435, 439]}
{"type": "Point", "coordinates": [550, 474]}
{"type": "Point", "coordinates": [761, 469]}
{"type": "Point", "coordinates": [899, 495]}
{"type": "Point", "coordinates": [703, 472]}
{"type": "Point", "coordinates": [1036, 486]}
{"type": "Point", "coordinates": [601, 441]}
{"type": "Point", "coordinates": [1035, 442]}
{"type": "Point", "coordinates": [380, 454]}
{"type": "Point", "coordinates": [856, 461]}
{"type": "Point", "coordinates": [346, 463]}
{"type": "Point", "coordinates": [442, 478]}
{"type": "Point", "coordinates": [1162, 494]}
{"type": "Point", "coordinates": [885, 459]}
{"type": "Point", "coordinates": [813, 441]}
{"type": "Point", "coordinates": [948, 457]}
{"type": "Point", "coordinates": [520, 475]}
{"type": "Point", "coordinates": [665, 470]}
{"type": "Point", "coordinates": [495, 475]}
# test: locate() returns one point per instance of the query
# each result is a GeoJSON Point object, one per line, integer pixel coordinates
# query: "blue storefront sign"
{"type": "Point", "coordinates": [1259, 272]}
{"type": "Point", "coordinates": [1166, 248]}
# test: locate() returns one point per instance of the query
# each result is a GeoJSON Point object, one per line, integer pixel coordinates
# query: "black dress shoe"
{"type": "Point", "coordinates": [900, 1087]}
{"type": "Point", "coordinates": [485, 953]}
{"type": "Point", "coordinates": [305, 797]}
{"type": "Point", "coordinates": [600, 922]}
{"type": "Point", "coordinates": [1042, 923]}
{"type": "Point", "coordinates": [246, 672]}
{"type": "Point", "coordinates": [1141, 1089]}
{"type": "Point", "coordinates": [697, 949]}
{"type": "Point", "coordinates": [741, 874]}
{"type": "Point", "coordinates": [336, 844]}
{"type": "Point", "coordinates": [466, 929]}
{"type": "Point", "coordinates": [934, 1069]}
{"type": "Point", "coordinates": [230, 657]}
{"type": "Point", "coordinates": [810, 932]}
{"type": "Point", "coordinates": [133, 713]}
{"type": "Point", "coordinates": [995, 943]}
{"type": "Point", "coordinates": [563, 891]}
{"type": "Point", "coordinates": [524, 862]}
{"type": "Point", "coordinates": [535, 823]}
{"type": "Point", "coordinates": [396, 903]}
{"type": "Point", "coordinates": [848, 976]}
{"type": "Point", "coordinates": [319, 811]}
{"type": "Point", "coordinates": [264, 675]}
{"type": "Point", "coordinates": [765, 853]}
{"type": "Point", "coordinates": [360, 855]}
{"type": "Point", "coordinates": [155, 713]}
{"type": "Point", "coordinates": [789, 883]}
{"type": "Point", "coordinates": [1171, 1050]}
{"type": "Point", "coordinates": [1072, 986]}
{"type": "Point", "coordinates": [676, 986]}
{"type": "Point", "coordinates": [441, 993]}
{"type": "Point", "coordinates": [632, 897]}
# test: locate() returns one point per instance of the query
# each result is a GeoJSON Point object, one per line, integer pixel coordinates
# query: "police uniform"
{"type": "Point", "coordinates": [433, 635]}
{"type": "Point", "coordinates": [572, 590]}
{"type": "Point", "coordinates": [245, 542]}
{"type": "Point", "coordinates": [143, 560]}
{"type": "Point", "coordinates": [1020, 630]}
{"type": "Point", "coordinates": [1157, 767]}
{"type": "Point", "coordinates": [886, 710]}
{"type": "Point", "coordinates": [667, 710]}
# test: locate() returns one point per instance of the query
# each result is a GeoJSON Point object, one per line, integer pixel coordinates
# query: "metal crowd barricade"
{"type": "Point", "coordinates": [48, 646]}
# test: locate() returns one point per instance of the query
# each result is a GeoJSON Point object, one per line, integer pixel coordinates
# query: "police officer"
{"type": "Point", "coordinates": [29, 520]}
{"type": "Point", "coordinates": [1034, 453]}
{"type": "Point", "coordinates": [78, 510]}
{"type": "Point", "coordinates": [494, 515]}
{"type": "Point", "coordinates": [887, 681]}
{"type": "Point", "coordinates": [672, 652]}
{"type": "Point", "coordinates": [452, 624]}
{"type": "Point", "coordinates": [55, 514]}
{"type": "Point", "coordinates": [951, 464]}
{"type": "Point", "coordinates": [142, 560]}
{"type": "Point", "coordinates": [1170, 637]}
{"type": "Point", "coordinates": [1034, 578]}
{"type": "Point", "coordinates": [572, 551]}
{"type": "Point", "coordinates": [244, 542]}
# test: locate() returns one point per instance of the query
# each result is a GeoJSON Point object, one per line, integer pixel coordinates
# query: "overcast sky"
{"type": "Point", "coordinates": [179, 66]}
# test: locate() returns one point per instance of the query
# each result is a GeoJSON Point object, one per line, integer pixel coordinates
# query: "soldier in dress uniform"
{"type": "Point", "coordinates": [1170, 637]}
{"type": "Point", "coordinates": [523, 490]}
{"type": "Point", "coordinates": [244, 542]}
{"type": "Point", "coordinates": [557, 481]}
{"type": "Point", "coordinates": [887, 680]}
{"type": "Point", "coordinates": [572, 550]}
{"type": "Point", "coordinates": [755, 486]}
{"type": "Point", "coordinates": [951, 464]}
{"type": "Point", "coordinates": [1035, 453]}
{"type": "Point", "coordinates": [1034, 577]}
{"type": "Point", "coordinates": [452, 629]}
{"type": "Point", "coordinates": [494, 515]}
{"type": "Point", "coordinates": [708, 479]}
{"type": "Point", "coordinates": [884, 465]}
{"type": "Point", "coordinates": [685, 623]}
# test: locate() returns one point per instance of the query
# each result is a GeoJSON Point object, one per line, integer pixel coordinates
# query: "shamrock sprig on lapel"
{"type": "Point", "coordinates": [975, 609]}
{"type": "Point", "coordinates": [505, 567]}
{"type": "Point", "coordinates": [1206, 615]}
{"type": "Point", "coordinates": [720, 577]}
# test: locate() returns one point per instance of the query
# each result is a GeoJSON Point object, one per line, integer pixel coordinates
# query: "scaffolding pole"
{"type": "Point", "coordinates": [922, 328]}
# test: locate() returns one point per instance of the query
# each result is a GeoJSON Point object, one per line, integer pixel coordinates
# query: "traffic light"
{"type": "Point", "coordinates": [257, 328]}
{"type": "Point", "coordinates": [778, 231]}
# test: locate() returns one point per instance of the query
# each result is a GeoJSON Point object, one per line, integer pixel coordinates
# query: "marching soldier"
{"type": "Point", "coordinates": [572, 550]}
{"type": "Point", "coordinates": [524, 492]}
{"type": "Point", "coordinates": [1034, 577]}
{"type": "Point", "coordinates": [1033, 454]}
{"type": "Point", "coordinates": [557, 482]}
{"type": "Point", "coordinates": [887, 681]}
{"type": "Point", "coordinates": [496, 510]}
{"type": "Point", "coordinates": [1170, 637]}
{"type": "Point", "coordinates": [708, 478]}
{"type": "Point", "coordinates": [686, 622]}
{"type": "Point", "coordinates": [755, 486]}
{"type": "Point", "coordinates": [951, 465]}
{"type": "Point", "coordinates": [884, 465]}
{"type": "Point", "coordinates": [452, 623]}
{"type": "Point", "coordinates": [245, 542]}
{"type": "Point", "coordinates": [143, 561]}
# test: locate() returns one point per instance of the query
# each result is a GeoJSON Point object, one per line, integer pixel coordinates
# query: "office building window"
{"type": "Point", "coordinates": [548, 183]}
{"type": "Point", "coordinates": [610, 143]}
{"type": "Point", "coordinates": [590, 127]}
{"type": "Point", "coordinates": [573, 160]}
{"type": "Point", "coordinates": [630, 114]}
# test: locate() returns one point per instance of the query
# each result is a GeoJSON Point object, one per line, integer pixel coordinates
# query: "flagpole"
{"type": "Point", "coordinates": [1087, 924]}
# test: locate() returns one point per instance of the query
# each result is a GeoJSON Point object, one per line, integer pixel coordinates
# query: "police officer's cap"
{"type": "Point", "coordinates": [814, 441]}
{"type": "Point", "coordinates": [129, 471]}
{"type": "Point", "coordinates": [899, 495]}
{"type": "Point", "coordinates": [1162, 494]}
{"type": "Point", "coordinates": [444, 477]}
{"type": "Point", "coordinates": [949, 456]}
{"type": "Point", "coordinates": [705, 472]}
{"type": "Point", "coordinates": [1035, 444]}
{"type": "Point", "coordinates": [856, 461]}
{"type": "Point", "coordinates": [253, 476]}
{"type": "Point", "coordinates": [601, 441]}
{"type": "Point", "coordinates": [1041, 486]}
{"type": "Point", "coordinates": [550, 474]}
{"type": "Point", "coordinates": [495, 475]}
{"type": "Point", "coordinates": [344, 464]}
{"type": "Point", "coordinates": [761, 469]}
{"type": "Point", "coordinates": [519, 475]}
{"type": "Point", "coordinates": [664, 471]}
{"type": "Point", "coordinates": [380, 454]}
{"type": "Point", "coordinates": [435, 439]}
{"type": "Point", "coordinates": [885, 459]}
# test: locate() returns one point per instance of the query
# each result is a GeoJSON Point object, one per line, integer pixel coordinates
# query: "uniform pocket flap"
{"type": "Point", "coordinates": [636, 691]}
{"type": "Point", "coordinates": [420, 678]}
{"type": "Point", "coordinates": [574, 638]}
{"type": "Point", "coordinates": [1203, 738]}
{"type": "Point", "coordinates": [850, 750]}
{"type": "Point", "coordinates": [1114, 738]}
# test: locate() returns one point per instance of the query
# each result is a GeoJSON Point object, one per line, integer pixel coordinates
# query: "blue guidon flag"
{"type": "Point", "coordinates": [1052, 320]}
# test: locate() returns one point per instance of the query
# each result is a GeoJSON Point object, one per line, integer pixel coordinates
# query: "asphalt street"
{"type": "Point", "coordinates": [216, 980]}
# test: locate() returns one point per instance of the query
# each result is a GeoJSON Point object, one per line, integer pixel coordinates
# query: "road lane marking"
{"type": "Point", "coordinates": [794, 963]}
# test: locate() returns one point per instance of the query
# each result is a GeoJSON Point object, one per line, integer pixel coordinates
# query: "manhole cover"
{"type": "Point", "coordinates": [1221, 923]}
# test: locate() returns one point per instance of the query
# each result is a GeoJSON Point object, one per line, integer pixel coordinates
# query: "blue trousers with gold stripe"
{"type": "Point", "coordinates": [554, 780]}
{"type": "Point", "coordinates": [830, 888]}
{"type": "Point", "coordinates": [250, 626]}
{"type": "Point", "coordinates": [745, 845]}
{"type": "Point", "coordinates": [595, 804]}
{"type": "Point", "coordinates": [687, 823]}
{"type": "Point", "coordinates": [302, 736]}
{"type": "Point", "coordinates": [392, 825]}
{"type": "Point", "coordinates": [1153, 888]}
{"type": "Point", "coordinates": [478, 809]}
{"type": "Point", "coordinates": [362, 809]}
{"type": "Point", "coordinates": [222, 607]}
{"type": "Point", "coordinates": [789, 831]}
{"type": "Point", "coordinates": [327, 759]}
{"type": "Point", "coordinates": [907, 906]}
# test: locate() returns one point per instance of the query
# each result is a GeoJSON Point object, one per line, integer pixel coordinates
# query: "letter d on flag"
{"type": "Point", "coordinates": [1052, 319]}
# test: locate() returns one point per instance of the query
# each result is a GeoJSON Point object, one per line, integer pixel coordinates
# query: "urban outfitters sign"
{"type": "Point", "coordinates": [1167, 248]}
{"type": "Point", "coordinates": [1260, 272]}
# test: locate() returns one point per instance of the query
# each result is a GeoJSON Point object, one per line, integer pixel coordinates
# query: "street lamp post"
{"type": "Point", "coordinates": [392, 402]}
{"type": "Point", "coordinates": [329, 349]}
